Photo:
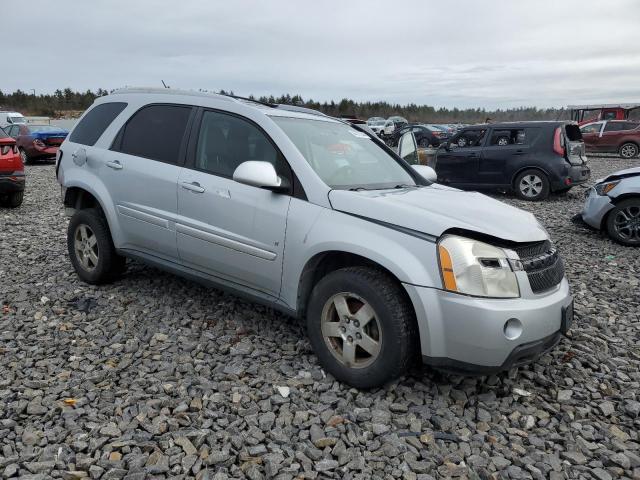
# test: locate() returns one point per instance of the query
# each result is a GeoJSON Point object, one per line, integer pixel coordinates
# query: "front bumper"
{"type": "Point", "coordinates": [595, 208]}
{"type": "Point", "coordinates": [11, 182]}
{"type": "Point", "coordinates": [469, 334]}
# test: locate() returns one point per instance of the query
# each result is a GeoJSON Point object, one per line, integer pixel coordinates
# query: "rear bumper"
{"type": "Point", "coordinates": [11, 182]}
{"type": "Point", "coordinates": [575, 175]}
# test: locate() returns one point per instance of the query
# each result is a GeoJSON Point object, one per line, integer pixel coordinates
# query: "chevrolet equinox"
{"type": "Point", "coordinates": [316, 218]}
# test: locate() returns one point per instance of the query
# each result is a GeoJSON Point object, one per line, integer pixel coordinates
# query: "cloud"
{"type": "Point", "coordinates": [459, 53]}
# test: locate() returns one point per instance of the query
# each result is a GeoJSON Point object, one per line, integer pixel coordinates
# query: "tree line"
{"type": "Point", "coordinates": [61, 102]}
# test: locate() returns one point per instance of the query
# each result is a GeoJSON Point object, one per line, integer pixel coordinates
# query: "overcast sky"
{"type": "Point", "coordinates": [464, 53]}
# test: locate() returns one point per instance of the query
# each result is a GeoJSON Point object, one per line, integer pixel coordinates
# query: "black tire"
{"type": "Point", "coordinates": [26, 160]}
{"type": "Point", "coordinates": [14, 200]}
{"type": "Point", "coordinates": [538, 182]}
{"type": "Point", "coordinates": [628, 150]}
{"type": "Point", "coordinates": [398, 334]}
{"type": "Point", "coordinates": [629, 234]}
{"type": "Point", "coordinates": [109, 264]}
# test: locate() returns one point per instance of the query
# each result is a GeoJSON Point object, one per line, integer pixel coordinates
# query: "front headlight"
{"type": "Point", "coordinates": [604, 188]}
{"type": "Point", "coordinates": [477, 268]}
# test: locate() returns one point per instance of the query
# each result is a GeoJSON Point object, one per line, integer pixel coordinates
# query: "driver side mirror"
{"type": "Point", "coordinates": [408, 148]}
{"type": "Point", "coordinates": [260, 174]}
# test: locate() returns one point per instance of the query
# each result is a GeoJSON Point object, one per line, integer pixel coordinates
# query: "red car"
{"type": "Point", "coordinates": [11, 172]}
{"type": "Point", "coordinates": [37, 141]}
{"type": "Point", "coordinates": [613, 136]}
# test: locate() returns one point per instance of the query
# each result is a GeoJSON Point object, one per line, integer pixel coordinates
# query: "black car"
{"type": "Point", "coordinates": [425, 135]}
{"type": "Point", "coordinates": [529, 158]}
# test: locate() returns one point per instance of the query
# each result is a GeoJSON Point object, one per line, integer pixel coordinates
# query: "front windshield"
{"type": "Point", "coordinates": [18, 120]}
{"type": "Point", "coordinates": [343, 157]}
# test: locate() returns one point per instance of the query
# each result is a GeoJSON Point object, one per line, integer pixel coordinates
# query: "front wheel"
{"type": "Point", "coordinates": [623, 222]}
{"type": "Point", "coordinates": [362, 326]}
{"type": "Point", "coordinates": [532, 185]}
{"type": "Point", "coordinates": [628, 150]}
{"type": "Point", "coordinates": [91, 249]}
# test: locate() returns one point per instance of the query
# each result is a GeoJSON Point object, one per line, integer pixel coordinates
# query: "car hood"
{"type": "Point", "coordinates": [629, 172]}
{"type": "Point", "coordinates": [435, 209]}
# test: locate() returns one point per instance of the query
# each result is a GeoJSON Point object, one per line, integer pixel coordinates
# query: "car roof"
{"type": "Point", "coordinates": [272, 110]}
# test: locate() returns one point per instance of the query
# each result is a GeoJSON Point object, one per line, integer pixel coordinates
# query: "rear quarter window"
{"type": "Point", "coordinates": [95, 122]}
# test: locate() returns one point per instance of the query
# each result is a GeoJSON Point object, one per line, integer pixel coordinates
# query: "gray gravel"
{"type": "Point", "coordinates": [157, 377]}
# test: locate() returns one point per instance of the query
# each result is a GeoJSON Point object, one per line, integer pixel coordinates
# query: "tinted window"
{"type": "Point", "coordinates": [504, 138]}
{"type": "Point", "coordinates": [226, 141]}
{"type": "Point", "coordinates": [95, 122]}
{"type": "Point", "coordinates": [156, 132]}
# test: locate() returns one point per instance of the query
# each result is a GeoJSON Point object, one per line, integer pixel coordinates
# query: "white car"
{"type": "Point", "coordinates": [11, 118]}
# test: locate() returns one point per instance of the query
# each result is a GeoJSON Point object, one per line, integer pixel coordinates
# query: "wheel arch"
{"type": "Point", "coordinates": [79, 195]}
{"type": "Point", "coordinates": [615, 201]}
{"type": "Point", "coordinates": [522, 169]}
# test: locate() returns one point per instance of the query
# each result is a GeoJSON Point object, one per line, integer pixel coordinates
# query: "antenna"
{"type": "Point", "coordinates": [164, 84]}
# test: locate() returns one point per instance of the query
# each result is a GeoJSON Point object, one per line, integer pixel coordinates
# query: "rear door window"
{"type": "Point", "coordinates": [615, 126]}
{"type": "Point", "coordinates": [156, 132]}
{"type": "Point", "coordinates": [506, 137]}
{"type": "Point", "coordinates": [95, 122]}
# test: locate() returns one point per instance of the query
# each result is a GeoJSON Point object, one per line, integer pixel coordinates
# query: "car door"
{"type": "Point", "coordinates": [457, 162]}
{"type": "Point", "coordinates": [612, 136]}
{"type": "Point", "coordinates": [225, 228]}
{"type": "Point", "coordinates": [503, 147]}
{"type": "Point", "coordinates": [591, 135]}
{"type": "Point", "coordinates": [141, 173]}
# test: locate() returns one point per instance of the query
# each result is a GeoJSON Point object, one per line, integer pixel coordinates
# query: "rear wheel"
{"type": "Point", "coordinates": [91, 249]}
{"type": "Point", "coordinates": [15, 199]}
{"type": "Point", "coordinates": [628, 150]}
{"type": "Point", "coordinates": [361, 326]}
{"type": "Point", "coordinates": [24, 157]}
{"type": "Point", "coordinates": [532, 185]}
{"type": "Point", "coordinates": [623, 222]}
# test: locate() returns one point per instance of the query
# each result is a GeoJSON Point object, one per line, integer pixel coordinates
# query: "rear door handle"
{"type": "Point", "coordinates": [193, 186]}
{"type": "Point", "coordinates": [519, 152]}
{"type": "Point", "coordinates": [473, 155]}
{"type": "Point", "coordinates": [116, 165]}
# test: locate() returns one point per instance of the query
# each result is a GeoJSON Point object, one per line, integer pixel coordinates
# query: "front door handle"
{"type": "Point", "coordinates": [193, 186]}
{"type": "Point", "coordinates": [116, 165]}
{"type": "Point", "coordinates": [473, 155]}
{"type": "Point", "coordinates": [519, 152]}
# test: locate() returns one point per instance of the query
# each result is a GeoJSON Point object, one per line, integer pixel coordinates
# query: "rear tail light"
{"type": "Point", "coordinates": [558, 143]}
{"type": "Point", "coordinates": [39, 143]}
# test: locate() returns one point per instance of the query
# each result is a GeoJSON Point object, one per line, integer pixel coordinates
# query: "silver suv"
{"type": "Point", "coordinates": [316, 218]}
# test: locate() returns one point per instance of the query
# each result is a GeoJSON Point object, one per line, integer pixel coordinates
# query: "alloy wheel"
{"type": "Point", "coordinates": [531, 186]}
{"type": "Point", "coordinates": [351, 330]}
{"type": "Point", "coordinates": [627, 223]}
{"type": "Point", "coordinates": [86, 247]}
{"type": "Point", "coordinates": [628, 150]}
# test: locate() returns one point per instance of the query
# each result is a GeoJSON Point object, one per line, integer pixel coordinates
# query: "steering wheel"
{"type": "Point", "coordinates": [342, 171]}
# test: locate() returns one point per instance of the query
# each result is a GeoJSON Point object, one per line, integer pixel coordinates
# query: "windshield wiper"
{"type": "Point", "coordinates": [356, 189]}
{"type": "Point", "coordinates": [405, 185]}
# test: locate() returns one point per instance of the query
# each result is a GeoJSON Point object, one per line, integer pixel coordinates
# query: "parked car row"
{"type": "Point", "coordinates": [391, 129]}
{"type": "Point", "coordinates": [36, 142]}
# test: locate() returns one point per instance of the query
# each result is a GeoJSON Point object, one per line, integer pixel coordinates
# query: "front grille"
{"type": "Point", "coordinates": [542, 263]}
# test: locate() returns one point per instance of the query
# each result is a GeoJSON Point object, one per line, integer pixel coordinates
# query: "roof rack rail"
{"type": "Point", "coordinates": [295, 108]}
{"type": "Point", "coordinates": [247, 99]}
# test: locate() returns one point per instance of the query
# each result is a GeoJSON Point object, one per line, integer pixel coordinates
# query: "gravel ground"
{"type": "Point", "coordinates": [156, 377]}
